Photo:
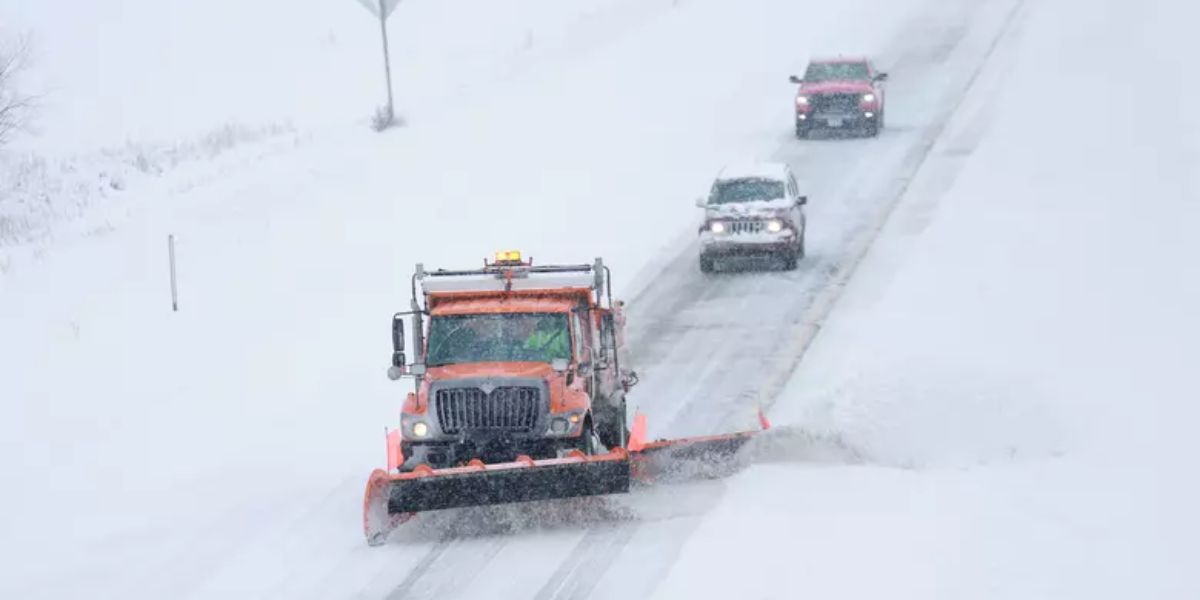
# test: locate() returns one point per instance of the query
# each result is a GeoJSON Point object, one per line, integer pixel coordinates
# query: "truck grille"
{"type": "Point", "coordinates": [835, 103]}
{"type": "Point", "coordinates": [509, 408]}
{"type": "Point", "coordinates": [746, 226]}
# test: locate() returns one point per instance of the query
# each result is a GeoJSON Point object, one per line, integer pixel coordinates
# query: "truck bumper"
{"type": "Point", "coordinates": [835, 121]}
{"type": "Point", "coordinates": [443, 454]}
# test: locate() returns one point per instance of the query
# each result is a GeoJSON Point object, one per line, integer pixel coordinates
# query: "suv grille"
{"type": "Point", "coordinates": [835, 103]}
{"type": "Point", "coordinates": [746, 226]}
{"type": "Point", "coordinates": [509, 408]}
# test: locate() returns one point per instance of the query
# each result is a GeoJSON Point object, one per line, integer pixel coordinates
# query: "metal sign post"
{"type": "Point", "coordinates": [171, 260]}
{"type": "Point", "coordinates": [383, 9]}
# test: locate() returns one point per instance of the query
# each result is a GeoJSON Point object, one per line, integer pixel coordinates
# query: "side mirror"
{"type": "Point", "coordinates": [559, 365]}
{"type": "Point", "coordinates": [395, 372]}
{"type": "Point", "coordinates": [397, 341]}
{"type": "Point", "coordinates": [702, 202]}
{"type": "Point", "coordinates": [802, 200]}
{"type": "Point", "coordinates": [795, 80]}
{"type": "Point", "coordinates": [881, 77]}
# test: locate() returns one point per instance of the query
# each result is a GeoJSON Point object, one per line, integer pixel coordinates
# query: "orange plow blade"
{"type": "Point", "coordinates": [666, 461]}
{"type": "Point", "coordinates": [392, 497]}
{"type": "Point", "coordinates": [523, 480]}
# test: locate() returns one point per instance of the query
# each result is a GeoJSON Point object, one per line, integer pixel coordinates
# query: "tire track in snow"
{"type": "Point", "coordinates": [423, 580]}
{"type": "Point", "coordinates": [410, 581]}
{"type": "Point", "coordinates": [579, 574]}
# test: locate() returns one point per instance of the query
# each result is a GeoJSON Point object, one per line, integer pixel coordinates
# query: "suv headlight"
{"type": "Point", "coordinates": [868, 97]}
{"type": "Point", "coordinates": [774, 226]}
{"type": "Point", "coordinates": [717, 227]}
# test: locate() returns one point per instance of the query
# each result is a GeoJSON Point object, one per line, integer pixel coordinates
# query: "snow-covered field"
{"type": "Point", "coordinates": [1008, 363]}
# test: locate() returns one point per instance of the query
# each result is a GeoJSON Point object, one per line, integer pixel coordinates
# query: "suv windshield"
{"type": "Point", "coordinates": [836, 72]}
{"type": "Point", "coordinates": [746, 190]}
{"type": "Point", "coordinates": [521, 337]}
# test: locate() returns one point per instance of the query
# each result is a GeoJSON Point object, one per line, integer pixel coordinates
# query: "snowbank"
{"type": "Point", "coordinates": [1013, 360]}
{"type": "Point", "coordinates": [41, 196]}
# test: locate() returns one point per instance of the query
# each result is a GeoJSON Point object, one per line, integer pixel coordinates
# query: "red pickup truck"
{"type": "Point", "coordinates": [840, 94]}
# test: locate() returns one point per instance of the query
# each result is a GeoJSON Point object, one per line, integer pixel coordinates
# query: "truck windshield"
{"type": "Point", "coordinates": [746, 190]}
{"type": "Point", "coordinates": [836, 72]}
{"type": "Point", "coordinates": [520, 337]}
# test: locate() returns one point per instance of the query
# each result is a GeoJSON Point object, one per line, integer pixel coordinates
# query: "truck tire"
{"type": "Point", "coordinates": [612, 422]}
{"type": "Point", "coordinates": [706, 264]}
{"type": "Point", "coordinates": [589, 443]}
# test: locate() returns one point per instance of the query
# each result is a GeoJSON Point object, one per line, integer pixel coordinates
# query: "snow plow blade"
{"type": "Point", "coordinates": [392, 497]}
{"type": "Point", "coordinates": [664, 461]}
{"type": "Point", "coordinates": [503, 483]}
{"type": "Point", "coordinates": [690, 458]}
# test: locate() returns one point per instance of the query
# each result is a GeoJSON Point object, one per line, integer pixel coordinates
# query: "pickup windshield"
{"type": "Point", "coordinates": [520, 337]}
{"type": "Point", "coordinates": [746, 190]}
{"type": "Point", "coordinates": [837, 72]}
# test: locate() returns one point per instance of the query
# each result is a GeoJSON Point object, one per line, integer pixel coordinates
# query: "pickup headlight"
{"type": "Point", "coordinates": [717, 227]}
{"type": "Point", "coordinates": [868, 97]}
{"type": "Point", "coordinates": [774, 226]}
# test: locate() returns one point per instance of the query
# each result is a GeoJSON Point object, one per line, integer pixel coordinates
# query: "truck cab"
{"type": "Point", "coordinates": [511, 360]}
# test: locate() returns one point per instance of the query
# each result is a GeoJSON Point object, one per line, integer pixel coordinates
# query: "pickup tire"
{"type": "Point", "coordinates": [791, 260]}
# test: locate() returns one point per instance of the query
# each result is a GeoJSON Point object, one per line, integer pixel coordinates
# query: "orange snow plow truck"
{"type": "Point", "coordinates": [519, 396]}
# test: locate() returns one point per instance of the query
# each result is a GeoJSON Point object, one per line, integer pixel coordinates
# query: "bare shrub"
{"type": "Point", "coordinates": [15, 107]}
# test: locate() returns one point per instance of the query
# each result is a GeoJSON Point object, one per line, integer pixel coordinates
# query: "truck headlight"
{"type": "Point", "coordinates": [801, 100]}
{"type": "Point", "coordinates": [420, 429]}
{"type": "Point", "coordinates": [717, 227]}
{"type": "Point", "coordinates": [774, 226]}
{"type": "Point", "coordinates": [565, 424]}
{"type": "Point", "coordinates": [868, 97]}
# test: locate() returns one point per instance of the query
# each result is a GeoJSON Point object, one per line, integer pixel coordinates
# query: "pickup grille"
{"type": "Point", "coordinates": [504, 409]}
{"type": "Point", "coordinates": [746, 226]}
{"type": "Point", "coordinates": [835, 103]}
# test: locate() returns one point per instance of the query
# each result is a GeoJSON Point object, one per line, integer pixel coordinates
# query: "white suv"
{"type": "Point", "coordinates": [753, 210]}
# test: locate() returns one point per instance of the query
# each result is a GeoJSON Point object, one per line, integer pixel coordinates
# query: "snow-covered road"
{"type": "Point", "coordinates": [711, 348]}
